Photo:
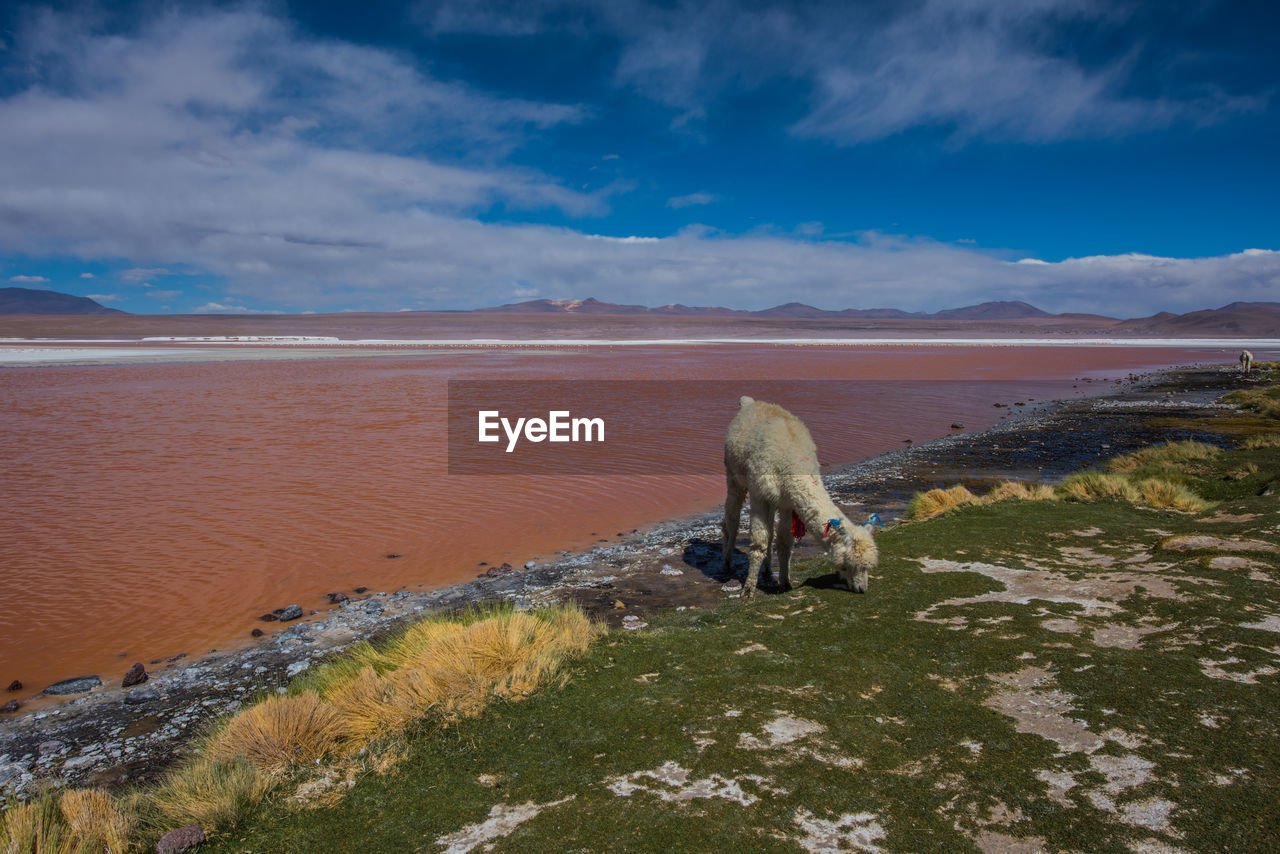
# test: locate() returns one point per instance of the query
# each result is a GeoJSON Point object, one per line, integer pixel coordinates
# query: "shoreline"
{"type": "Point", "coordinates": [113, 734]}
{"type": "Point", "coordinates": [37, 352]}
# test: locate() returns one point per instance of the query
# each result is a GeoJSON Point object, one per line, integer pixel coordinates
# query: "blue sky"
{"type": "Point", "coordinates": [1108, 157]}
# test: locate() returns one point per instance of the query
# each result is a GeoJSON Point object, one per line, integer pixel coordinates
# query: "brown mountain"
{"type": "Point", "coordinates": [28, 301]}
{"type": "Point", "coordinates": [1005, 310]}
{"type": "Point", "coordinates": [1236, 319]}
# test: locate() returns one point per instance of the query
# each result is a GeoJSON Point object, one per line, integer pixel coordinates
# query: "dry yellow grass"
{"type": "Point", "coordinates": [1164, 494]}
{"type": "Point", "coordinates": [97, 820]}
{"type": "Point", "coordinates": [1012, 490]}
{"type": "Point", "coordinates": [444, 665]}
{"type": "Point", "coordinates": [935, 502]}
{"type": "Point", "coordinates": [1266, 440]}
{"type": "Point", "coordinates": [281, 732]}
{"type": "Point", "coordinates": [370, 705]}
{"type": "Point", "coordinates": [1095, 486]}
{"type": "Point", "coordinates": [35, 827]}
{"type": "Point", "coordinates": [1173, 455]}
{"type": "Point", "coordinates": [206, 792]}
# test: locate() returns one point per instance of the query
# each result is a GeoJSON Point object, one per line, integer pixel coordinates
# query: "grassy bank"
{"type": "Point", "coordinates": [1092, 667]}
{"type": "Point", "coordinates": [1092, 676]}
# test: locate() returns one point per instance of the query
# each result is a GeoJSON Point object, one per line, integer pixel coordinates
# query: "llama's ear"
{"type": "Point", "coordinates": [745, 401]}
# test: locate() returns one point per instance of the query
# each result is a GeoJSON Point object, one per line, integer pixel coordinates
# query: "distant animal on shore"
{"type": "Point", "coordinates": [769, 455]}
{"type": "Point", "coordinates": [1246, 361]}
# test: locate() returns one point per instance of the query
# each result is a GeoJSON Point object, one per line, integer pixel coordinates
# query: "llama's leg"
{"type": "Point", "coordinates": [761, 539]}
{"type": "Point", "coordinates": [732, 513]}
{"type": "Point", "coordinates": [784, 541]}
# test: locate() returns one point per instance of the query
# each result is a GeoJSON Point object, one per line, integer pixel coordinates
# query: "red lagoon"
{"type": "Point", "coordinates": [160, 508]}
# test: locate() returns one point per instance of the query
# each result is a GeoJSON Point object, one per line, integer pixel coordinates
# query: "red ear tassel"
{"type": "Point", "coordinates": [797, 526]}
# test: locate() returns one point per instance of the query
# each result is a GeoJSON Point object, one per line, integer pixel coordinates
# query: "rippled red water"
{"type": "Point", "coordinates": [155, 509]}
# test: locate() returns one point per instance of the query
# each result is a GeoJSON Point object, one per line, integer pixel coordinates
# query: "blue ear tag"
{"type": "Point", "coordinates": [874, 519]}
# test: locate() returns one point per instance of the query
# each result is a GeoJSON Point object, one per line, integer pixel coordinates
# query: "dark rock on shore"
{"type": "Point", "coordinates": [11, 706]}
{"type": "Point", "coordinates": [15, 685]}
{"type": "Point", "coordinates": [182, 839]}
{"type": "Point", "coordinates": [268, 618]}
{"type": "Point", "coordinates": [292, 612]}
{"type": "Point", "coordinates": [136, 676]}
{"type": "Point", "coordinates": [257, 633]}
{"type": "Point", "coordinates": [359, 590]}
{"type": "Point", "coordinates": [77, 685]}
{"type": "Point", "coordinates": [336, 598]}
{"type": "Point", "coordinates": [495, 571]}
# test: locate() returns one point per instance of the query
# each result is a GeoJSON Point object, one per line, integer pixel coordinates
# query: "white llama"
{"type": "Point", "coordinates": [1246, 361]}
{"type": "Point", "coordinates": [769, 454]}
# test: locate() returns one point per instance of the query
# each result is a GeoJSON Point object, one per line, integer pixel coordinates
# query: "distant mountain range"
{"type": "Point", "coordinates": [1258, 319]}
{"type": "Point", "coordinates": [29, 301]}
{"type": "Point", "coordinates": [796, 310]}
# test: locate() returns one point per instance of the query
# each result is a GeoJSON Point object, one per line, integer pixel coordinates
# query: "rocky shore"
{"type": "Point", "coordinates": [113, 734]}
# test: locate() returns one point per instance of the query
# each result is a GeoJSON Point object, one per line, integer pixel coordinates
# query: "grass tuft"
{"type": "Point", "coordinates": [35, 827]}
{"type": "Point", "coordinates": [206, 792]}
{"type": "Point", "coordinates": [97, 820]}
{"type": "Point", "coordinates": [281, 732]}
{"type": "Point", "coordinates": [1266, 440]}
{"type": "Point", "coordinates": [1177, 456]}
{"type": "Point", "coordinates": [1166, 495]}
{"type": "Point", "coordinates": [935, 502]}
{"type": "Point", "coordinates": [1093, 486]}
{"type": "Point", "coordinates": [1264, 401]}
{"type": "Point", "coordinates": [1012, 490]}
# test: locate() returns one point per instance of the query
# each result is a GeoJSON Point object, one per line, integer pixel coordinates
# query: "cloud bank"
{"type": "Point", "coordinates": [317, 175]}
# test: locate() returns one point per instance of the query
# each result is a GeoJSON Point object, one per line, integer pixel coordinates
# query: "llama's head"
{"type": "Point", "coordinates": [853, 552]}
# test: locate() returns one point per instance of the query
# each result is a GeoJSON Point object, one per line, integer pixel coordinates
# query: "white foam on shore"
{"type": "Point", "coordinates": [20, 351]}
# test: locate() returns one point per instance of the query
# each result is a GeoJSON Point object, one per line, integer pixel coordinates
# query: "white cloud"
{"type": "Point", "coordinates": [105, 297]}
{"type": "Point", "coordinates": [691, 199]}
{"type": "Point", "coordinates": [28, 280]}
{"type": "Point", "coordinates": [87, 275]}
{"type": "Point", "coordinates": [221, 308]}
{"type": "Point", "coordinates": [987, 68]}
{"type": "Point", "coordinates": [188, 144]}
{"type": "Point", "coordinates": [179, 149]}
{"type": "Point", "coordinates": [139, 275]}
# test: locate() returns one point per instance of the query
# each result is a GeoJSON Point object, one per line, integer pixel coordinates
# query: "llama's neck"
{"type": "Point", "coordinates": [813, 505]}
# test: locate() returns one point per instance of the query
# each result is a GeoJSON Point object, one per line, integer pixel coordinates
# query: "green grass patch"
{"type": "Point", "coordinates": [917, 717]}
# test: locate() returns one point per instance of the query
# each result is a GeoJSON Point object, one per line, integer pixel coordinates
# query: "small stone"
{"type": "Point", "coordinates": [336, 598]}
{"type": "Point", "coordinates": [257, 633]}
{"type": "Point", "coordinates": [529, 564]}
{"type": "Point", "coordinates": [11, 706]}
{"type": "Point", "coordinates": [78, 685]}
{"type": "Point", "coordinates": [182, 839]}
{"type": "Point", "coordinates": [292, 612]}
{"type": "Point", "coordinates": [296, 668]}
{"type": "Point", "coordinates": [47, 747]}
{"type": "Point", "coordinates": [136, 676]}
{"type": "Point", "coordinates": [15, 685]}
{"type": "Point", "coordinates": [268, 618]}
{"type": "Point", "coordinates": [393, 555]}
{"type": "Point", "coordinates": [957, 425]}
{"type": "Point", "coordinates": [137, 698]}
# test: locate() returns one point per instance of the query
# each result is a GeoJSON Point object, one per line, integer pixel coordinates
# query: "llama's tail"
{"type": "Point", "coordinates": [745, 401]}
